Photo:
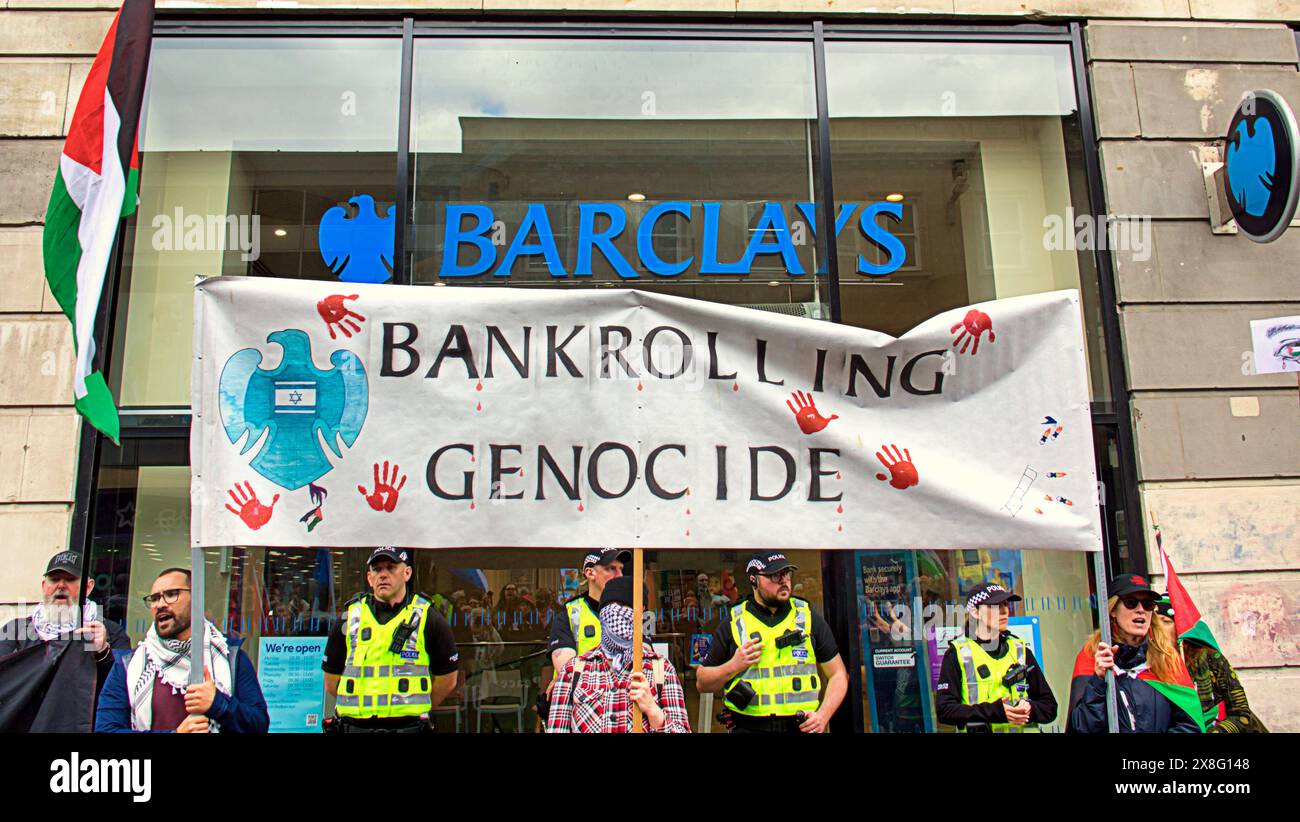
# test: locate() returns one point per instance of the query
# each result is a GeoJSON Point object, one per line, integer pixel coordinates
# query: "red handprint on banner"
{"type": "Point", "coordinates": [384, 497]}
{"type": "Point", "coordinates": [335, 313]}
{"type": "Point", "coordinates": [250, 510]}
{"type": "Point", "coordinates": [806, 414]}
{"type": "Point", "coordinates": [902, 473]}
{"type": "Point", "coordinates": [974, 324]}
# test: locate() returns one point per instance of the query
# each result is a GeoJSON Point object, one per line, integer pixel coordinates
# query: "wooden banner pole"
{"type": "Point", "coordinates": [638, 570]}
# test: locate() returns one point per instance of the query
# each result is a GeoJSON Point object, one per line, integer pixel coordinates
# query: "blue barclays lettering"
{"type": "Point", "coordinates": [469, 228]}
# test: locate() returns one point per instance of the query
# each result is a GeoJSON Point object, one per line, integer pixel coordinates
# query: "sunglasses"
{"type": "Point", "coordinates": [1134, 603]}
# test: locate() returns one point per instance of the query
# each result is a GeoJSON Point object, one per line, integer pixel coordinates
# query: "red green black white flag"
{"type": "Point", "coordinates": [94, 188]}
{"type": "Point", "coordinates": [1188, 623]}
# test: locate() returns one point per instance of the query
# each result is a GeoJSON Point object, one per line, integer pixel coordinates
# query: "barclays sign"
{"type": "Point", "coordinates": [360, 248]}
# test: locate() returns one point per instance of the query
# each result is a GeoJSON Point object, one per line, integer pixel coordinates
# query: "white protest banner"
{"type": "Point", "coordinates": [473, 417]}
{"type": "Point", "coordinates": [1276, 343]}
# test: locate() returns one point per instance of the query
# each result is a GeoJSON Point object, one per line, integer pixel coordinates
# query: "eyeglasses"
{"type": "Point", "coordinates": [778, 576]}
{"type": "Point", "coordinates": [167, 597]}
{"type": "Point", "coordinates": [1133, 603]}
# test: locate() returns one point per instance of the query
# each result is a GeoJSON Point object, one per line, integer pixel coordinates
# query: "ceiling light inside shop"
{"type": "Point", "coordinates": [894, 198]}
{"type": "Point", "coordinates": [636, 197]}
{"type": "Point", "coordinates": [280, 232]}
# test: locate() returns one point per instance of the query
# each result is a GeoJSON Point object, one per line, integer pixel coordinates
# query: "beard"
{"type": "Point", "coordinates": [772, 601]}
{"type": "Point", "coordinates": [174, 626]}
{"type": "Point", "coordinates": [61, 611]}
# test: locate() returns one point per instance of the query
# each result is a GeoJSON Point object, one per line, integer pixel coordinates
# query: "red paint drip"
{"type": "Point", "coordinates": [478, 407]}
{"type": "Point", "coordinates": [880, 477]}
{"type": "Point", "coordinates": [479, 387]}
{"type": "Point", "coordinates": [471, 506]}
{"type": "Point", "coordinates": [837, 475]}
{"type": "Point", "coordinates": [839, 509]}
{"type": "Point", "coordinates": [839, 528]}
{"type": "Point", "coordinates": [580, 508]}
{"type": "Point", "coordinates": [639, 386]}
{"type": "Point", "coordinates": [471, 457]}
{"type": "Point", "coordinates": [688, 532]}
{"type": "Point", "coordinates": [735, 386]}
{"type": "Point", "coordinates": [688, 512]}
{"type": "Point", "coordinates": [688, 492]}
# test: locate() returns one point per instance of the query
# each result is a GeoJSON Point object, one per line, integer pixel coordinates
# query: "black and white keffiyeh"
{"type": "Point", "coordinates": [51, 623]}
{"type": "Point", "coordinates": [169, 660]}
{"type": "Point", "coordinates": [616, 628]}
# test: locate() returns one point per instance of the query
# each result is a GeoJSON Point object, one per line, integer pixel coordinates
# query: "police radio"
{"type": "Point", "coordinates": [403, 633]}
{"type": "Point", "coordinates": [742, 693]}
{"type": "Point", "coordinates": [789, 639]}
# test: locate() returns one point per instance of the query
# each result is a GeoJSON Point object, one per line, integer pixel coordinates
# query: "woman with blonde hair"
{"type": "Point", "coordinates": [1154, 692]}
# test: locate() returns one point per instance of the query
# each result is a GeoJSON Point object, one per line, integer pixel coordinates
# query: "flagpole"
{"type": "Point", "coordinates": [1103, 614]}
{"type": "Point", "coordinates": [198, 622]}
{"type": "Point", "coordinates": [637, 606]}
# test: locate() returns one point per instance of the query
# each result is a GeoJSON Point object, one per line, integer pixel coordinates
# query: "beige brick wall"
{"type": "Point", "coordinates": [45, 50]}
{"type": "Point", "coordinates": [1225, 486]}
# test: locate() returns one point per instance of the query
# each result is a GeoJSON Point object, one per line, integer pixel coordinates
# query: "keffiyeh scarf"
{"type": "Point", "coordinates": [616, 627]}
{"type": "Point", "coordinates": [50, 623]}
{"type": "Point", "coordinates": [169, 660]}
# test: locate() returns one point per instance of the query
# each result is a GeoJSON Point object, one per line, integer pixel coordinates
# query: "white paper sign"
{"type": "Point", "coordinates": [1277, 344]}
{"type": "Point", "coordinates": [471, 417]}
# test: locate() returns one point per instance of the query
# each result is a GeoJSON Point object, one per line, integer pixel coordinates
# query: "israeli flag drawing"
{"type": "Point", "coordinates": [295, 397]}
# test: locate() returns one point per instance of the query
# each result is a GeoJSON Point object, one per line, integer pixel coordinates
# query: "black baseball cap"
{"type": "Point", "coordinates": [1126, 584]}
{"type": "Point", "coordinates": [66, 561]}
{"type": "Point", "coordinates": [768, 562]}
{"type": "Point", "coordinates": [605, 556]}
{"type": "Point", "coordinates": [389, 552]}
{"type": "Point", "coordinates": [617, 591]}
{"type": "Point", "coordinates": [990, 593]}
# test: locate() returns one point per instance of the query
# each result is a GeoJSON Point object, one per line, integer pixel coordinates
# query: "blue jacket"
{"type": "Point", "coordinates": [244, 712]}
{"type": "Point", "coordinates": [1142, 709]}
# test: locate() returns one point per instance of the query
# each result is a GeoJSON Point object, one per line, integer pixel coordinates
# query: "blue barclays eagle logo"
{"type": "Point", "coordinates": [293, 402]}
{"type": "Point", "coordinates": [1251, 163]}
{"type": "Point", "coordinates": [358, 247]}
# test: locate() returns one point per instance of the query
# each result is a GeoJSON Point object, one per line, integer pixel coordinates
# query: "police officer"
{"type": "Point", "coordinates": [578, 631]}
{"type": "Point", "coordinates": [392, 658]}
{"type": "Point", "coordinates": [770, 656]}
{"type": "Point", "coordinates": [990, 681]}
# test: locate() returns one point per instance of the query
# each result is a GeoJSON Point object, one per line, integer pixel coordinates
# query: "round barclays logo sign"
{"type": "Point", "coordinates": [1262, 166]}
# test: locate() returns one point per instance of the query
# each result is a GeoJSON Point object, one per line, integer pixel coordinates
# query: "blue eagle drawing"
{"type": "Point", "coordinates": [358, 248]}
{"type": "Point", "coordinates": [293, 402]}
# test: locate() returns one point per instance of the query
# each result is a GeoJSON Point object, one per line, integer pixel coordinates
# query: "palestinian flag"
{"type": "Point", "coordinates": [94, 189]}
{"type": "Point", "coordinates": [1179, 689]}
{"type": "Point", "coordinates": [1187, 619]}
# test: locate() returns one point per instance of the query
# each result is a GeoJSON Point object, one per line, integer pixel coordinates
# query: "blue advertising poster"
{"type": "Point", "coordinates": [292, 682]}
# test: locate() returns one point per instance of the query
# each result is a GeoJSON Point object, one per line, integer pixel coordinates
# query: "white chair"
{"type": "Point", "coordinates": [454, 703]}
{"type": "Point", "coordinates": [502, 692]}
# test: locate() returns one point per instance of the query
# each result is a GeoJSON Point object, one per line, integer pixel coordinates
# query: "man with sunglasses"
{"type": "Point", "coordinates": [767, 654]}
{"type": "Point", "coordinates": [151, 691]}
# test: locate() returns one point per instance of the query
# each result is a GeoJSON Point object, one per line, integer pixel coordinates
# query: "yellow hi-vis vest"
{"type": "Point", "coordinates": [975, 688]}
{"type": "Point", "coordinates": [584, 623]}
{"type": "Point", "coordinates": [784, 680]}
{"type": "Point", "coordinates": [377, 682]}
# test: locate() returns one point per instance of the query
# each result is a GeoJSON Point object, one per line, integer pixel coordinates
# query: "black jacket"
{"type": "Point", "coordinates": [950, 709]}
{"type": "Point", "coordinates": [19, 635]}
{"type": "Point", "coordinates": [1142, 709]}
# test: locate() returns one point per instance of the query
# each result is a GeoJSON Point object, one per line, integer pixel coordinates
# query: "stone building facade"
{"type": "Point", "coordinates": [1217, 446]}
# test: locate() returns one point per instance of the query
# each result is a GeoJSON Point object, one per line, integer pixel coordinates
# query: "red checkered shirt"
{"type": "Point", "coordinates": [596, 700]}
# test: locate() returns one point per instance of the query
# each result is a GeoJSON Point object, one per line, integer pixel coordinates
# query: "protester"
{"type": "Point", "coordinates": [989, 680]}
{"type": "Point", "coordinates": [595, 691]}
{"type": "Point", "coordinates": [1223, 699]}
{"type": "Point", "coordinates": [767, 654]}
{"type": "Point", "coordinates": [1148, 669]}
{"type": "Point", "coordinates": [151, 690]}
{"type": "Point", "coordinates": [578, 629]}
{"type": "Point", "coordinates": [58, 617]}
